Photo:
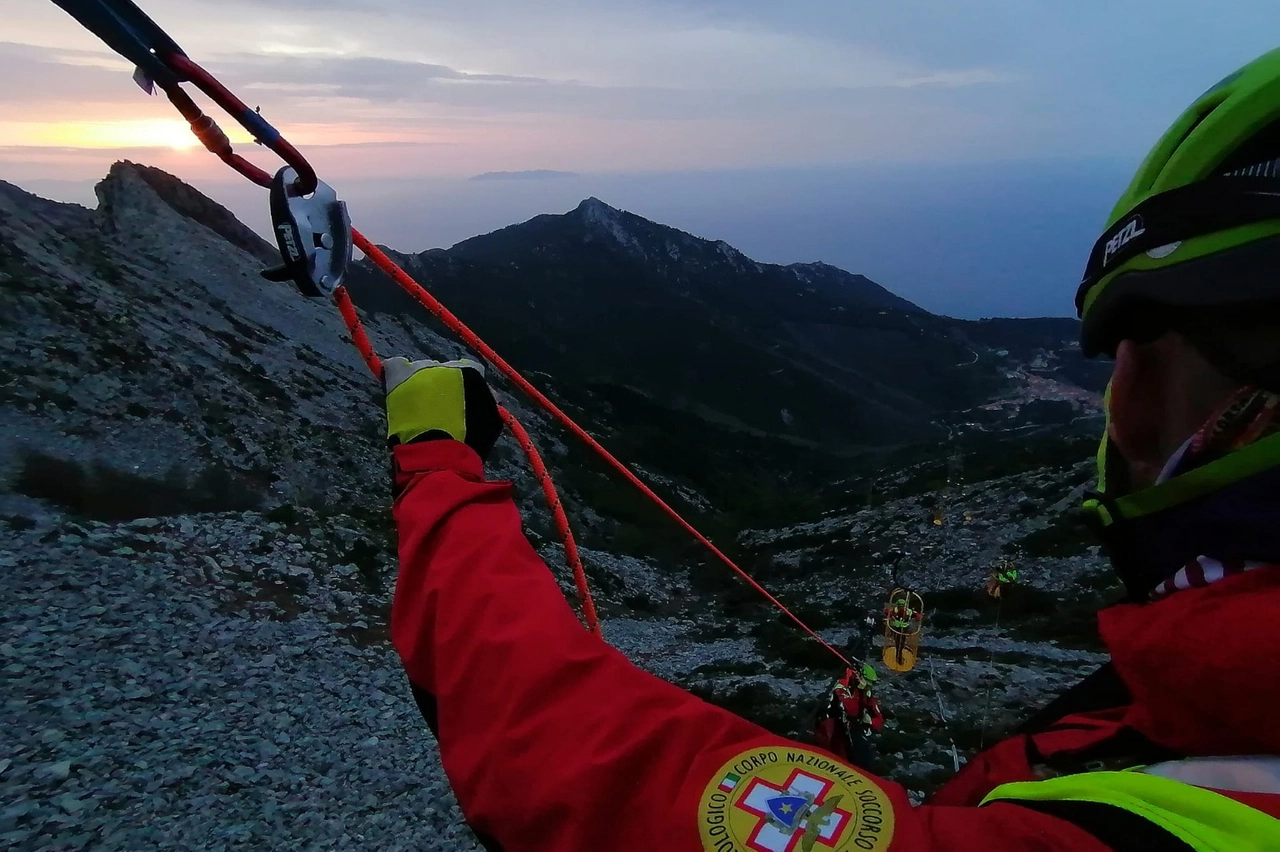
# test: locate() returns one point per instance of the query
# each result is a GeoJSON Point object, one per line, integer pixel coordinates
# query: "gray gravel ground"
{"type": "Point", "coordinates": [147, 704]}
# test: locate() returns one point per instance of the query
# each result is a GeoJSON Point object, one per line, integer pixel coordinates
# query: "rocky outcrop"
{"type": "Point", "coordinates": [118, 198]}
{"type": "Point", "coordinates": [139, 339]}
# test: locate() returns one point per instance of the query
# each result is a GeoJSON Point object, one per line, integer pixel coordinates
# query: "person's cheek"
{"type": "Point", "coordinates": [1136, 411]}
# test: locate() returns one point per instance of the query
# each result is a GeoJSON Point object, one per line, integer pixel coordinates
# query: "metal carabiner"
{"type": "Point", "coordinates": [208, 132]}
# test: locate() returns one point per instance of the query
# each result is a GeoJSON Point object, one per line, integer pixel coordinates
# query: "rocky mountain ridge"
{"type": "Point", "coordinates": [612, 306]}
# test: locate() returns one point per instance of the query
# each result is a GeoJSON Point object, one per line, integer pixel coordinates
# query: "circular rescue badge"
{"type": "Point", "coordinates": [783, 799]}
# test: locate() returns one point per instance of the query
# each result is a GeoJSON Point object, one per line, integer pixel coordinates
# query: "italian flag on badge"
{"type": "Point", "coordinates": [730, 781]}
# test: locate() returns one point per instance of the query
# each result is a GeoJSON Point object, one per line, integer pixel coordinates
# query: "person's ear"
{"type": "Point", "coordinates": [1138, 409]}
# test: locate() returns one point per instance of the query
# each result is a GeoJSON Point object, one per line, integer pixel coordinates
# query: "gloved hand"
{"type": "Point", "coordinates": [427, 400]}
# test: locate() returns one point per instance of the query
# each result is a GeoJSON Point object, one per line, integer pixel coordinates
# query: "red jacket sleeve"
{"type": "Point", "coordinates": [552, 740]}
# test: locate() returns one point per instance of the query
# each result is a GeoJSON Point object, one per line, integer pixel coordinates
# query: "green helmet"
{"type": "Point", "coordinates": [869, 673]}
{"type": "Point", "coordinates": [1199, 225]}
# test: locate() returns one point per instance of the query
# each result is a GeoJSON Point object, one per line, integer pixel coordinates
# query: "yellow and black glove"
{"type": "Point", "coordinates": [428, 400]}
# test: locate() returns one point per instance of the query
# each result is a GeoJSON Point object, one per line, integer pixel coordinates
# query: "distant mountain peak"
{"type": "Point", "coordinates": [594, 208]}
{"type": "Point", "coordinates": [608, 221]}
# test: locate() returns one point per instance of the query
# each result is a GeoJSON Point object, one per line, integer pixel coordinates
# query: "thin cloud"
{"type": "Point", "coordinates": [58, 75]}
{"type": "Point", "coordinates": [528, 174]}
{"type": "Point", "coordinates": [391, 82]}
{"type": "Point", "coordinates": [350, 76]}
{"type": "Point", "coordinates": [971, 77]}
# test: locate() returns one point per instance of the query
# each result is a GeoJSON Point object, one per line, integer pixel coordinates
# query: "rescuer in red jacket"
{"type": "Point", "coordinates": [849, 718]}
{"type": "Point", "coordinates": [553, 740]}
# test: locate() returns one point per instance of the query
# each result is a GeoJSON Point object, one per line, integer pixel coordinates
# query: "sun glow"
{"type": "Point", "coordinates": [150, 133]}
{"type": "Point", "coordinates": [145, 133]}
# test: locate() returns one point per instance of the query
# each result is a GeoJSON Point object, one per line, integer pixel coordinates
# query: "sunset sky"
{"type": "Point", "coordinates": [635, 94]}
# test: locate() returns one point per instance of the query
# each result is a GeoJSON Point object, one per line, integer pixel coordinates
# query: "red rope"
{"type": "Point", "coordinates": [361, 341]}
{"type": "Point", "coordinates": [216, 141]}
{"type": "Point", "coordinates": [358, 337]}
{"type": "Point", "coordinates": [469, 337]}
{"type": "Point", "coordinates": [208, 132]}
{"type": "Point", "coordinates": [562, 520]}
